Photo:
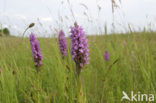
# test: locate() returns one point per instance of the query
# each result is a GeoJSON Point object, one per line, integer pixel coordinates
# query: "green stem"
{"type": "Point", "coordinates": [25, 31]}
{"type": "Point", "coordinates": [79, 90]}
{"type": "Point", "coordinates": [38, 68]}
{"type": "Point", "coordinates": [79, 85]}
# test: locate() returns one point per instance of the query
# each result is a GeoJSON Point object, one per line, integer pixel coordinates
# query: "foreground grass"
{"type": "Point", "coordinates": [103, 82]}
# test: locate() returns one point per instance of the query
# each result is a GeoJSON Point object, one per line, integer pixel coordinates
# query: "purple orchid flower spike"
{"type": "Point", "coordinates": [106, 56]}
{"type": "Point", "coordinates": [36, 51]}
{"type": "Point", "coordinates": [79, 47]}
{"type": "Point", "coordinates": [62, 43]}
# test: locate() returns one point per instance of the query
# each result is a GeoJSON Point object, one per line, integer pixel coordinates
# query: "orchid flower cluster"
{"type": "Point", "coordinates": [79, 52]}
{"type": "Point", "coordinates": [62, 43]}
{"type": "Point", "coordinates": [79, 47]}
{"type": "Point", "coordinates": [36, 51]}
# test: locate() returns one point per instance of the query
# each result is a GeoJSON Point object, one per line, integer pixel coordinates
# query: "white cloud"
{"type": "Point", "coordinates": [21, 16]}
{"type": "Point", "coordinates": [150, 1]}
{"type": "Point", "coordinates": [46, 19]}
{"type": "Point", "coordinates": [5, 25]}
{"type": "Point", "coordinates": [14, 27]}
{"type": "Point", "coordinates": [4, 14]}
{"type": "Point", "coordinates": [133, 11]}
{"type": "Point", "coordinates": [79, 16]}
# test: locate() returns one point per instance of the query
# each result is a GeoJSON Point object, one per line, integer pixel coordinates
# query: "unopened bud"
{"type": "Point", "coordinates": [31, 25]}
{"type": "Point", "coordinates": [75, 24]}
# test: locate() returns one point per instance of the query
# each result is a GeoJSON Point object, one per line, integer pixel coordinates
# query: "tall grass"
{"type": "Point", "coordinates": [103, 82]}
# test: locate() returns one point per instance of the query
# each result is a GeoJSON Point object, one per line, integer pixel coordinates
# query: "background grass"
{"type": "Point", "coordinates": [103, 82]}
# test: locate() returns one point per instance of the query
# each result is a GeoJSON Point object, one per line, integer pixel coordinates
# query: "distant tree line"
{"type": "Point", "coordinates": [4, 32]}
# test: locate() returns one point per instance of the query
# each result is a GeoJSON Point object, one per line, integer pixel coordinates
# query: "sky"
{"type": "Point", "coordinates": [50, 16]}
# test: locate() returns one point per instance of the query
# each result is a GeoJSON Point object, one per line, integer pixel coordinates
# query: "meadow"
{"type": "Point", "coordinates": [132, 67]}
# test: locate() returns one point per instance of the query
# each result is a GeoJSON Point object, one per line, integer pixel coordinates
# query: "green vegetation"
{"type": "Point", "coordinates": [133, 55]}
{"type": "Point", "coordinates": [4, 32]}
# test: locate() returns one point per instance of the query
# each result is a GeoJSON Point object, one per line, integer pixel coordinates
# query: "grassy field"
{"type": "Point", "coordinates": [132, 67]}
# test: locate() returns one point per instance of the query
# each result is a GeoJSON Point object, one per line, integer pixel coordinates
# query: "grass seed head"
{"type": "Point", "coordinates": [31, 25]}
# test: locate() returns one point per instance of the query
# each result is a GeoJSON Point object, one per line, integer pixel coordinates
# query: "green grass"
{"type": "Point", "coordinates": [103, 82]}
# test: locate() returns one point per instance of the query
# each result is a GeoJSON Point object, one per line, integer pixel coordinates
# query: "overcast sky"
{"type": "Point", "coordinates": [47, 14]}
